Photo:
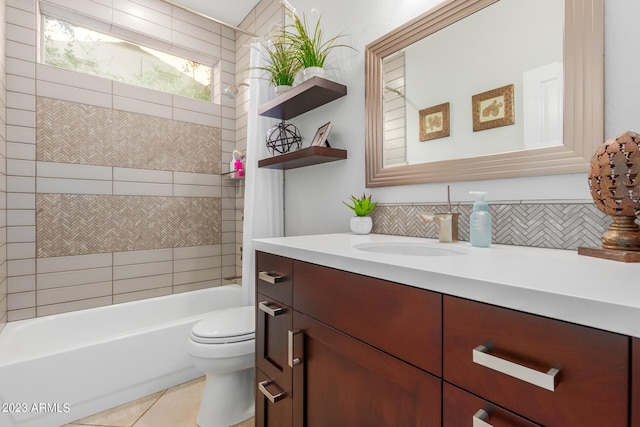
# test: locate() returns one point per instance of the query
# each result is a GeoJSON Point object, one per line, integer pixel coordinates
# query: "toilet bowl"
{"type": "Point", "coordinates": [222, 345]}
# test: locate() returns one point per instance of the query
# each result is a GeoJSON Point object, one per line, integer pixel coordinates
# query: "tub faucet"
{"type": "Point", "coordinates": [447, 222]}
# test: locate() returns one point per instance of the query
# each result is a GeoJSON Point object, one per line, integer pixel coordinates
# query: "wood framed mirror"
{"type": "Point", "coordinates": [582, 101]}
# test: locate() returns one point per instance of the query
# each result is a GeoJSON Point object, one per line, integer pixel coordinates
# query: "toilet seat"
{"type": "Point", "coordinates": [230, 325]}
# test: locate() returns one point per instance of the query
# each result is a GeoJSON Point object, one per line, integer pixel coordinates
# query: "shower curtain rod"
{"type": "Point", "coordinates": [217, 21]}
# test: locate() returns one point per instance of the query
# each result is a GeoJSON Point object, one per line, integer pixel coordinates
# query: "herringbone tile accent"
{"type": "Point", "coordinates": [548, 225]}
{"type": "Point", "coordinates": [70, 132]}
{"type": "Point", "coordinates": [79, 224]}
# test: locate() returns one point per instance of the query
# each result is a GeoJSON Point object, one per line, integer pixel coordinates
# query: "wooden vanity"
{"type": "Point", "coordinates": [338, 348]}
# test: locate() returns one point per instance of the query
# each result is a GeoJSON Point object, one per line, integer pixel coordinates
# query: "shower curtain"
{"type": "Point", "coordinates": [264, 193]}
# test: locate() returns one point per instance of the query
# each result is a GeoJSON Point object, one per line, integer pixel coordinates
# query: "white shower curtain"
{"type": "Point", "coordinates": [263, 194]}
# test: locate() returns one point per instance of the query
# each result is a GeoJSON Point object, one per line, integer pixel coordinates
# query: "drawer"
{"type": "Point", "coordinates": [464, 409]}
{"type": "Point", "coordinates": [274, 408]}
{"type": "Point", "coordinates": [273, 276]}
{"type": "Point", "coordinates": [508, 358]}
{"type": "Point", "coordinates": [274, 320]}
{"type": "Point", "coordinates": [400, 320]}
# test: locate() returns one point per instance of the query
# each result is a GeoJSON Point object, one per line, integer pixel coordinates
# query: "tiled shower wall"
{"type": "Point", "coordinates": [3, 166]}
{"type": "Point", "coordinates": [114, 192]}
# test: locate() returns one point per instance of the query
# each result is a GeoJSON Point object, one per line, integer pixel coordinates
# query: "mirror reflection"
{"type": "Point", "coordinates": [490, 83]}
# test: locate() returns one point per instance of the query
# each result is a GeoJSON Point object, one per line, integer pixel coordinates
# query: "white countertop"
{"type": "Point", "coordinates": [550, 282]}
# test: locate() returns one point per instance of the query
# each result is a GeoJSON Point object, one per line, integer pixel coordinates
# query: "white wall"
{"type": "Point", "coordinates": [314, 194]}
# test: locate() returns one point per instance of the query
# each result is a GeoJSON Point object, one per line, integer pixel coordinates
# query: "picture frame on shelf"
{"type": "Point", "coordinates": [320, 139]}
{"type": "Point", "coordinates": [434, 122]}
{"type": "Point", "coordinates": [493, 108]}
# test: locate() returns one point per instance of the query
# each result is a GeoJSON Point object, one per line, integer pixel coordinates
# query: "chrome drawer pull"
{"type": "Point", "coordinates": [479, 419]}
{"type": "Point", "coordinates": [546, 380]}
{"type": "Point", "coordinates": [292, 361]}
{"type": "Point", "coordinates": [273, 278]}
{"type": "Point", "coordinates": [273, 312]}
{"type": "Point", "coordinates": [273, 398]}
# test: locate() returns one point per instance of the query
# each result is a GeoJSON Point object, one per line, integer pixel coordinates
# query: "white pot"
{"type": "Point", "coordinates": [282, 89]}
{"type": "Point", "coordinates": [309, 72]}
{"type": "Point", "coordinates": [361, 224]}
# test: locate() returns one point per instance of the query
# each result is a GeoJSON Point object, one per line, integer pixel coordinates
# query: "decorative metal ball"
{"type": "Point", "coordinates": [614, 180]}
{"type": "Point", "coordinates": [282, 137]}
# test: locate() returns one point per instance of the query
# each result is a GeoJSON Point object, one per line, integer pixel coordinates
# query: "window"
{"type": "Point", "coordinates": [76, 48]}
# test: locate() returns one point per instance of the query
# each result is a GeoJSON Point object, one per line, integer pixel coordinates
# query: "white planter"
{"type": "Point", "coordinates": [361, 224]}
{"type": "Point", "coordinates": [281, 89]}
{"type": "Point", "coordinates": [309, 72]}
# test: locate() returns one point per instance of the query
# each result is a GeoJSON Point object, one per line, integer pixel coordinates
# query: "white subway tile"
{"type": "Point", "coordinates": [21, 201]}
{"type": "Point", "coordinates": [21, 184]}
{"type": "Point", "coordinates": [25, 135]}
{"type": "Point", "coordinates": [15, 315]}
{"type": "Point", "coordinates": [139, 257]}
{"type": "Point", "coordinates": [141, 270]}
{"type": "Point", "coordinates": [21, 300]}
{"type": "Point", "coordinates": [196, 191]}
{"type": "Point", "coordinates": [21, 234]}
{"type": "Point", "coordinates": [73, 171]}
{"type": "Point", "coordinates": [21, 284]}
{"type": "Point", "coordinates": [21, 51]}
{"type": "Point", "coordinates": [142, 283]}
{"type": "Point", "coordinates": [142, 107]}
{"type": "Point", "coordinates": [21, 17]}
{"type": "Point", "coordinates": [142, 175]}
{"type": "Point", "coordinates": [17, 217]}
{"type": "Point", "coordinates": [28, 6]}
{"type": "Point", "coordinates": [141, 189]}
{"type": "Point", "coordinates": [73, 262]}
{"type": "Point", "coordinates": [21, 250]}
{"type": "Point", "coordinates": [21, 34]}
{"type": "Point", "coordinates": [158, 30]}
{"type": "Point", "coordinates": [196, 252]}
{"type": "Point", "coordinates": [79, 8]}
{"type": "Point", "coordinates": [21, 167]}
{"type": "Point", "coordinates": [141, 94]}
{"type": "Point", "coordinates": [73, 94]}
{"type": "Point", "coordinates": [182, 39]}
{"type": "Point", "coordinates": [183, 265]}
{"type": "Point", "coordinates": [21, 67]}
{"type": "Point", "coordinates": [196, 105]}
{"type": "Point", "coordinates": [47, 310]}
{"type": "Point", "coordinates": [21, 151]}
{"type": "Point", "coordinates": [21, 117]}
{"type": "Point", "coordinates": [73, 293]}
{"type": "Point", "coordinates": [195, 117]}
{"type": "Point", "coordinates": [196, 178]}
{"type": "Point", "coordinates": [77, 277]}
{"type": "Point", "coordinates": [188, 287]}
{"type": "Point", "coordinates": [74, 79]}
{"type": "Point", "coordinates": [22, 267]}
{"type": "Point", "coordinates": [196, 276]}
{"type": "Point", "coordinates": [135, 296]}
{"type": "Point", "coordinates": [73, 186]}
{"type": "Point", "coordinates": [21, 101]}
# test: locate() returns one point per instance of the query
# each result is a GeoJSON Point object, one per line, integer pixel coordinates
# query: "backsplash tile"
{"type": "Point", "coordinates": [560, 225]}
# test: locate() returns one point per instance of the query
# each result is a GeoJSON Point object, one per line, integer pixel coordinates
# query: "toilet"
{"type": "Point", "coordinates": [222, 345]}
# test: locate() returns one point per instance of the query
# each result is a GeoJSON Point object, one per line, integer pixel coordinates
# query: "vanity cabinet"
{"type": "Point", "coordinates": [354, 350]}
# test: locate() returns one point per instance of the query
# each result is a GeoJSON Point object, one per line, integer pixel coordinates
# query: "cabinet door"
{"type": "Point", "coordinates": [464, 409]}
{"type": "Point", "coordinates": [341, 381]}
{"type": "Point", "coordinates": [274, 320]}
{"type": "Point", "coordinates": [552, 372]}
{"type": "Point", "coordinates": [635, 386]}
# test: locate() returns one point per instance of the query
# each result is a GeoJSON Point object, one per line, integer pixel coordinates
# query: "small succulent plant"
{"type": "Point", "coordinates": [361, 206]}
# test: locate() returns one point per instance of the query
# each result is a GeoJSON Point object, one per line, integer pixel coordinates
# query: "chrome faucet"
{"type": "Point", "coordinates": [447, 222]}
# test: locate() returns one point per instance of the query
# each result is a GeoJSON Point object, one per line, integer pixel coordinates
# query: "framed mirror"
{"type": "Point", "coordinates": [450, 120]}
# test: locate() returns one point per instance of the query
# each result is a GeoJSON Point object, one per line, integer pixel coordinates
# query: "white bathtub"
{"type": "Point", "coordinates": [60, 368]}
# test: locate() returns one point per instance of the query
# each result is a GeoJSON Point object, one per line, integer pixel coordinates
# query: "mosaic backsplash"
{"type": "Point", "coordinates": [70, 132]}
{"type": "Point", "coordinates": [545, 225]}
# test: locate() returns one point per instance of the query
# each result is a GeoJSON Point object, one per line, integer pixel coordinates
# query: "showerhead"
{"type": "Point", "coordinates": [232, 91]}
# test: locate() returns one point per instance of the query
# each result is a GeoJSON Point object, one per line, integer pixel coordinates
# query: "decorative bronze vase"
{"type": "Point", "coordinates": [614, 180]}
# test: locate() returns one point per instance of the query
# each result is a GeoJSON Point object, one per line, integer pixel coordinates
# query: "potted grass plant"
{"type": "Point", "coordinates": [282, 64]}
{"type": "Point", "coordinates": [361, 223]}
{"type": "Point", "coordinates": [308, 41]}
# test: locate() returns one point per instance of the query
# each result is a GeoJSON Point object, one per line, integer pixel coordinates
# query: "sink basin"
{"type": "Point", "coordinates": [407, 248]}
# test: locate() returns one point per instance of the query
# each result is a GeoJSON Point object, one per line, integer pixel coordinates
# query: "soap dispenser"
{"type": "Point", "coordinates": [480, 221]}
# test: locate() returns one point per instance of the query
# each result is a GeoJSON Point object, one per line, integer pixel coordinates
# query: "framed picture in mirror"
{"type": "Point", "coordinates": [493, 108]}
{"type": "Point", "coordinates": [434, 122]}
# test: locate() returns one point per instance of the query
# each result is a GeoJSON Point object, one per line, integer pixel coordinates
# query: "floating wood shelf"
{"type": "Point", "coordinates": [304, 157]}
{"type": "Point", "coordinates": [304, 97]}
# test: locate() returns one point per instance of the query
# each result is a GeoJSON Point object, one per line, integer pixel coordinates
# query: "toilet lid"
{"type": "Point", "coordinates": [226, 326]}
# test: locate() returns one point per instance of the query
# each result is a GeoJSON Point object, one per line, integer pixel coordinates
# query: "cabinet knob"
{"type": "Point", "coordinates": [273, 398]}
{"type": "Point", "coordinates": [273, 312]}
{"type": "Point", "coordinates": [546, 380]}
{"type": "Point", "coordinates": [273, 278]}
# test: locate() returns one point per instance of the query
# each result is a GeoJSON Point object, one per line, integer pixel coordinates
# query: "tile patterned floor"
{"type": "Point", "coordinates": [174, 407]}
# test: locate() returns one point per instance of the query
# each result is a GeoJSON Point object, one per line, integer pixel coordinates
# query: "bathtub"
{"type": "Point", "coordinates": [60, 368]}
